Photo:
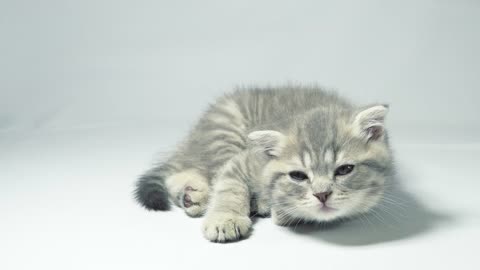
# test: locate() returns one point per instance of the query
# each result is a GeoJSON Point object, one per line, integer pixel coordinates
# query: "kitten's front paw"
{"type": "Point", "coordinates": [220, 227]}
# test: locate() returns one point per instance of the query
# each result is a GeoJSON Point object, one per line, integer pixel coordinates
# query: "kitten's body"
{"type": "Point", "coordinates": [238, 158]}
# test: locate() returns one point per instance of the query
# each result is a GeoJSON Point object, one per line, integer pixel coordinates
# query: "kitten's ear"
{"type": "Point", "coordinates": [369, 123]}
{"type": "Point", "coordinates": [269, 141]}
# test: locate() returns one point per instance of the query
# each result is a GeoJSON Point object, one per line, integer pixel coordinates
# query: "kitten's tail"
{"type": "Point", "coordinates": [151, 191]}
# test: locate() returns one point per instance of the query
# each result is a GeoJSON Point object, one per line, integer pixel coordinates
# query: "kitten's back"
{"type": "Point", "coordinates": [260, 106]}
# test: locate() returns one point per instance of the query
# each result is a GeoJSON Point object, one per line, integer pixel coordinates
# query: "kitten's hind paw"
{"type": "Point", "coordinates": [226, 227]}
{"type": "Point", "coordinates": [194, 201]}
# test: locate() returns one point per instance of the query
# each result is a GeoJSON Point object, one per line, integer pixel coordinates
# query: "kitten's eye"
{"type": "Point", "coordinates": [298, 175]}
{"type": "Point", "coordinates": [344, 169]}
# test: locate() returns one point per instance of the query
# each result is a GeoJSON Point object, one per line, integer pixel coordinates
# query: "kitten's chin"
{"type": "Point", "coordinates": [326, 215]}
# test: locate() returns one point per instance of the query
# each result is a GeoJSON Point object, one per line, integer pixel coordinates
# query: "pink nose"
{"type": "Point", "coordinates": [322, 196]}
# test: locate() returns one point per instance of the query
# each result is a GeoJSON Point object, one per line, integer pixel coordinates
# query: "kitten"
{"type": "Point", "coordinates": [295, 153]}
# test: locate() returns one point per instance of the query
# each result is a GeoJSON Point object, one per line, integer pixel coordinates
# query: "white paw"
{"type": "Point", "coordinates": [194, 200]}
{"type": "Point", "coordinates": [221, 227]}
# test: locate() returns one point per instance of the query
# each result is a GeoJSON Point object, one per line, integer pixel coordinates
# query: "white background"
{"type": "Point", "coordinates": [93, 92]}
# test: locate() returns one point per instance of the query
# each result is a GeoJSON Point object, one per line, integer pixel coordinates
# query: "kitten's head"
{"type": "Point", "coordinates": [329, 164]}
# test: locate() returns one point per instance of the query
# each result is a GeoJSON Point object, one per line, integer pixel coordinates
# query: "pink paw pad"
{"type": "Point", "coordinates": [187, 200]}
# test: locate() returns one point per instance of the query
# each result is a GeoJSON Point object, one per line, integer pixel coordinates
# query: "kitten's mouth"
{"type": "Point", "coordinates": [325, 208]}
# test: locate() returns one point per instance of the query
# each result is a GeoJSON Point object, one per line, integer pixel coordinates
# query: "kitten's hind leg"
{"type": "Point", "coordinates": [189, 190]}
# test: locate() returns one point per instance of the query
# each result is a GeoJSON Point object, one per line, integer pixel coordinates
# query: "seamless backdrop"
{"type": "Point", "coordinates": [93, 92]}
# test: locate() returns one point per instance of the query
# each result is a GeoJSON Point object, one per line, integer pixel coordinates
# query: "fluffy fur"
{"type": "Point", "coordinates": [275, 152]}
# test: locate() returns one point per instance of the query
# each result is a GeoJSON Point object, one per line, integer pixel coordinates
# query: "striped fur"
{"type": "Point", "coordinates": [238, 158]}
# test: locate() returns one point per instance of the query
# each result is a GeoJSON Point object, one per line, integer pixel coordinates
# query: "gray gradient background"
{"type": "Point", "coordinates": [92, 92]}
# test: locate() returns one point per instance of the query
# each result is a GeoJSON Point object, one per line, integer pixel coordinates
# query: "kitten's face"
{"type": "Point", "coordinates": [328, 169]}
{"type": "Point", "coordinates": [329, 184]}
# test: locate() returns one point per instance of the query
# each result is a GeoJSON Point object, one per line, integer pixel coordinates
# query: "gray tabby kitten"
{"type": "Point", "coordinates": [295, 153]}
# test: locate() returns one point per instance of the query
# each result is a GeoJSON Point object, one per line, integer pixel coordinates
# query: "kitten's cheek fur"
{"type": "Point", "coordinates": [277, 218]}
{"type": "Point", "coordinates": [226, 227]}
